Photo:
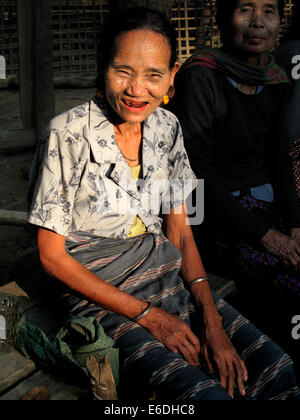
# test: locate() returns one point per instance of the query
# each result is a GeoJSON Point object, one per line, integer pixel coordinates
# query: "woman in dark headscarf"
{"type": "Point", "coordinates": [288, 56]}
{"type": "Point", "coordinates": [230, 103]}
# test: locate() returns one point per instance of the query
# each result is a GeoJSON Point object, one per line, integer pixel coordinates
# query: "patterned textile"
{"type": "Point", "coordinates": [241, 259]}
{"type": "Point", "coordinates": [82, 182]}
{"type": "Point", "coordinates": [148, 267]}
{"type": "Point", "coordinates": [295, 154]}
{"type": "Point", "coordinates": [268, 73]}
{"type": "Point", "coordinates": [66, 352]}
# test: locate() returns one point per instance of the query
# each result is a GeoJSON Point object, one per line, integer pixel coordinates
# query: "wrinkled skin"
{"type": "Point", "coordinates": [253, 30]}
{"type": "Point", "coordinates": [139, 74]}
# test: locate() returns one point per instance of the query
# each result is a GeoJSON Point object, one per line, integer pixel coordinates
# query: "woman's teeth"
{"type": "Point", "coordinates": [135, 104]}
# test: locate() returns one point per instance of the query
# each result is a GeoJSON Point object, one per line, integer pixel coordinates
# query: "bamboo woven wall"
{"type": "Point", "coordinates": [75, 27]}
{"type": "Point", "coordinates": [75, 24]}
{"type": "Point", "coordinates": [9, 34]}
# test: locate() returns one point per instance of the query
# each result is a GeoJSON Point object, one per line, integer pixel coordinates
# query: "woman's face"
{"type": "Point", "coordinates": [139, 75]}
{"type": "Point", "coordinates": [255, 27]}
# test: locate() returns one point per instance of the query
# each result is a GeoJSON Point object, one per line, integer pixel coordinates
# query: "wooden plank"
{"type": "Point", "coordinates": [13, 218]}
{"type": "Point", "coordinates": [25, 302]}
{"type": "Point", "coordinates": [12, 141]}
{"type": "Point", "coordinates": [223, 287]}
{"type": "Point", "coordinates": [13, 368]}
{"type": "Point", "coordinates": [59, 390]}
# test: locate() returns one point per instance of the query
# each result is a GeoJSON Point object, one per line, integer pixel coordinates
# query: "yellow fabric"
{"type": "Point", "coordinates": [138, 227]}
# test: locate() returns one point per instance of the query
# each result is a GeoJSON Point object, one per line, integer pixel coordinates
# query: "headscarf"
{"type": "Point", "coordinates": [266, 73]}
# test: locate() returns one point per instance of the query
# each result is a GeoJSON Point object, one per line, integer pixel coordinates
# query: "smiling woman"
{"type": "Point", "coordinates": [136, 81]}
{"type": "Point", "coordinates": [137, 273]}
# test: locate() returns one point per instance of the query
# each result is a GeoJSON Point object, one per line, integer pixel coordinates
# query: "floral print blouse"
{"type": "Point", "coordinates": [82, 182]}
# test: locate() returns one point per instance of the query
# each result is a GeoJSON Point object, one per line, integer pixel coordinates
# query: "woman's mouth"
{"type": "Point", "coordinates": [134, 106]}
{"type": "Point", "coordinates": [256, 39]}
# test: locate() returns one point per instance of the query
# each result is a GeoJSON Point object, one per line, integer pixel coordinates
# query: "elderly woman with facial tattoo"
{"type": "Point", "coordinates": [231, 104]}
{"type": "Point", "coordinates": [141, 278]}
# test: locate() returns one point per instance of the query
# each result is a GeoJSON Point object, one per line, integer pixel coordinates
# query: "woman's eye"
{"type": "Point", "coordinates": [245, 10]}
{"type": "Point", "coordinates": [155, 76]}
{"type": "Point", "coordinates": [123, 73]}
{"type": "Point", "coordinates": [270, 11]}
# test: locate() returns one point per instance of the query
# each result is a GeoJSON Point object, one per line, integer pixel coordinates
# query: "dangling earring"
{"type": "Point", "coordinates": [166, 99]}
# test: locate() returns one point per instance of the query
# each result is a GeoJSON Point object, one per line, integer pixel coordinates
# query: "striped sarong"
{"type": "Point", "coordinates": [148, 268]}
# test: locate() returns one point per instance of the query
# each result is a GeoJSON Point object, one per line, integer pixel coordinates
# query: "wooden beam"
{"type": "Point", "coordinates": [13, 218]}
{"type": "Point", "coordinates": [26, 61]}
{"type": "Point", "coordinates": [12, 141]}
{"type": "Point", "coordinates": [44, 74]}
{"type": "Point", "coordinates": [58, 389]}
{"type": "Point", "coordinates": [13, 368]}
{"type": "Point", "coordinates": [37, 100]}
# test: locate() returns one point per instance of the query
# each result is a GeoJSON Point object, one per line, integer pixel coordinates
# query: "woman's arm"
{"type": "Point", "coordinates": [57, 262]}
{"type": "Point", "coordinates": [168, 329]}
{"type": "Point", "coordinates": [231, 367]}
{"type": "Point", "coordinates": [179, 232]}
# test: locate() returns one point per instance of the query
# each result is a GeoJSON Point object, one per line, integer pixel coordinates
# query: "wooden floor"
{"type": "Point", "coordinates": [19, 375]}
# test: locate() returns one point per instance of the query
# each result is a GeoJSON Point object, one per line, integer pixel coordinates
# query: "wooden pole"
{"type": "Point", "coordinates": [25, 12]}
{"type": "Point", "coordinates": [36, 64]}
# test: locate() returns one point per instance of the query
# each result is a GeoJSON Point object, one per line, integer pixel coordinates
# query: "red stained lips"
{"type": "Point", "coordinates": [134, 106]}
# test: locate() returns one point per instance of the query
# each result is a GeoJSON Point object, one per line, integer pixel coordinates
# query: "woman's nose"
{"type": "Point", "coordinates": [257, 19]}
{"type": "Point", "coordinates": [136, 87]}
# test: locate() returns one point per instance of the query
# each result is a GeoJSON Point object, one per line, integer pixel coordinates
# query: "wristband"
{"type": "Point", "coordinates": [144, 313]}
{"type": "Point", "coordinates": [200, 280]}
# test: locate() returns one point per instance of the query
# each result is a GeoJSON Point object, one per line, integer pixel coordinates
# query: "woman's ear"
{"type": "Point", "coordinates": [174, 70]}
{"type": "Point", "coordinates": [171, 92]}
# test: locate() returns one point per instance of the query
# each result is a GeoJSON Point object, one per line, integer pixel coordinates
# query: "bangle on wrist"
{"type": "Point", "coordinates": [200, 280]}
{"type": "Point", "coordinates": [144, 313]}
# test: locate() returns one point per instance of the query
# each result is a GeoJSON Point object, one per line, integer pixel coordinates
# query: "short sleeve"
{"type": "Point", "coordinates": [182, 180]}
{"type": "Point", "coordinates": [55, 182]}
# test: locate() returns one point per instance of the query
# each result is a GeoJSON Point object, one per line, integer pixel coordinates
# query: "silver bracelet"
{"type": "Point", "coordinates": [144, 313]}
{"type": "Point", "coordinates": [200, 280]}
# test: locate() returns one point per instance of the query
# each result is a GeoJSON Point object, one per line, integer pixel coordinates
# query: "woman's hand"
{"type": "Point", "coordinates": [285, 247]}
{"type": "Point", "coordinates": [173, 333]}
{"type": "Point", "coordinates": [217, 347]}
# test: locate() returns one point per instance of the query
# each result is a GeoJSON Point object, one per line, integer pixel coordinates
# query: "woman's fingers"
{"type": "Point", "coordinates": [189, 353]}
{"type": "Point", "coordinates": [223, 372]}
{"type": "Point", "coordinates": [232, 371]}
{"type": "Point", "coordinates": [175, 335]}
{"type": "Point", "coordinates": [207, 359]}
{"type": "Point", "coordinates": [242, 375]}
{"type": "Point", "coordinates": [189, 346]}
{"type": "Point", "coordinates": [231, 379]}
